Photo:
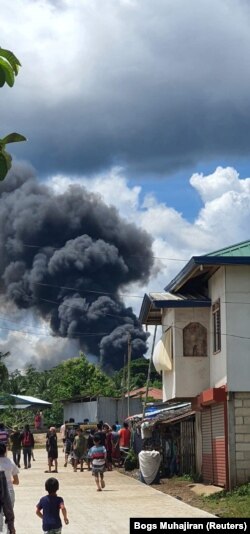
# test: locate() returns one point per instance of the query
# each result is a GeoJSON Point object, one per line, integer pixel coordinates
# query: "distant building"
{"type": "Point", "coordinates": [153, 393]}
{"type": "Point", "coordinates": [99, 408]}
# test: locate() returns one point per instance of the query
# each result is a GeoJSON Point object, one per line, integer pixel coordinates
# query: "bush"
{"type": "Point", "coordinates": [131, 461]}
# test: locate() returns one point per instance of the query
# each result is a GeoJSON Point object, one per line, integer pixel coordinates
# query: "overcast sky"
{"type": "Point", "coordinates": [146, 103]}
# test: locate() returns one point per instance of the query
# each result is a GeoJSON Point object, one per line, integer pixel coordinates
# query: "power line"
{"type": "Point", "coordinates": [209, 332]}
{"type": "Point", "coordinates": [89, 290]}
{"type": "Point", "coordinates": [97, 252]}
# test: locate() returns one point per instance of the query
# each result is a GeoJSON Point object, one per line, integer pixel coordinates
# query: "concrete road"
{"type": "Point", "coordinates": [89, 511]}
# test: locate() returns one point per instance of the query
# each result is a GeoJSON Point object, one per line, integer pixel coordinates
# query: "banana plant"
{"type": "Point", "coordinates": [9, 66]}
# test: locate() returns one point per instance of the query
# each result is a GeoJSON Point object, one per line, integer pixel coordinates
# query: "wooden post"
{"type": "Point", "coordinates": [128, 374]}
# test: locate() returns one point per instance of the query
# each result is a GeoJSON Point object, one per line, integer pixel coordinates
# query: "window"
{"type": "Point", "coordinates": [216, 327]}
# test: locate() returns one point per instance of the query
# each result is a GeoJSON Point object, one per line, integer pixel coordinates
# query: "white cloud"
{"type": "Point", "coordinates": [223, 180]}
{"type": "Point", "coordinates": [224, 218]}
{"type": "Point", "coordinates": [111, 186]}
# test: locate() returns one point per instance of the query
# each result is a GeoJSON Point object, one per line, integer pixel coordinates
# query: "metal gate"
{"type": "Point", "coordinates": [214, 445]}
{"type": "Point", "coordinates": [219, 445]}
{"type": "Point", "coordinates": [187, 447]}
{"type": "Point", "coordinates": [207, 455]}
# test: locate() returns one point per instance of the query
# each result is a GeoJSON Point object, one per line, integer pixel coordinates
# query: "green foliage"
{"type": "Point", "coordinates": [131, 461]}
{"type": "Point", "coordinates": [9, 65]}
{"type": "Point", "coordinates": [70, 378]}
{"type": "Point", "coordinates": [11, 417]}
{"type": "Point", "coordinates": [4, 375]}
{"type": "Point", "coordinates": [138, 375]}
{"type": "Point", "coordinates": [235, 503]}
{"type": "Point", "coordinates": [240, 491]}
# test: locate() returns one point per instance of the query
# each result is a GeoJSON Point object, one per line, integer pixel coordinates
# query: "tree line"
{"type": "Point", "coordinates": [70, 378]}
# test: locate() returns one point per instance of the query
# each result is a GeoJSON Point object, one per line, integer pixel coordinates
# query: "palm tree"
{"type": "Point", "coordinates": [4, 374]}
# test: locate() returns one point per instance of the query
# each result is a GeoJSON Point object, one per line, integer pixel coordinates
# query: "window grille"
{"type": "Point", "coordinates": [216, 326]}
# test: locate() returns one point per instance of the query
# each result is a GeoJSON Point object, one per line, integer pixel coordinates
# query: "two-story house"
{"type": "Point", "coordinates": [204, 356]}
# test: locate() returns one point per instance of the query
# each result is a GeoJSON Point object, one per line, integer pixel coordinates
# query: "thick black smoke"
{"type": "Point", "coordinates": [66, 257]}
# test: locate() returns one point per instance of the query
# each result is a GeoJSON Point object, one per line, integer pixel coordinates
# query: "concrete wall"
{"type": "Point", "coordinates": [237, 282]}
{"type": "Point", "coordinates": [190, 375]}
{"type": "Point", "coordinates": [242, 436]}
{"type": "Point", "coordinates": [218, 361]}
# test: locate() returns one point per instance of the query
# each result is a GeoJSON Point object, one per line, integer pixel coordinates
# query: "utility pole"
{"type": "Point", "coordinates": [149, 371]}
{"type": "Point", "coordinates": [128, 375]}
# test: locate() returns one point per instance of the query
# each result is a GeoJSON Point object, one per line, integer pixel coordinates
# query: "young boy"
{"type": "Point", "coordinates": [51, 505]}
{"type": "Point", "coordinates": [98, 455]}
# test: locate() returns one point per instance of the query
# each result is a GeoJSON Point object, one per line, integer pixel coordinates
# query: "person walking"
{"type": "Point", "coordinates": [63, 431]}
{"type": "Point", "coordinates": [79, 449]}
{"type": "Point", "coordinates": [49, 508]}
{"type": "Point", "coordinates": [98, 455]}
{"type": "Point", "coordinates": [11, 473]}
{"type": "Point", "coordinates": [16, 445]}
{"type": "Point", "coordinates": [108, 446]}
{"type": "Point", "coordinates": [90, 443]}
{"type": "Point", "coordinates": [52, 449]}
{"type": "Point", "coordinates": [6, 504]}
{"type": "Point", "coordinates": [4, 435]}
{"type": "Point", "coordinates": [28, 442]}
{"type": "Point", "coordinates": [116, 454]}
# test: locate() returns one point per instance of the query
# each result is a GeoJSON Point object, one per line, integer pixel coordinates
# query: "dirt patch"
{"type": "Point", "coordinates": [40, 440]}
{"type": "Point", "coordinates": [180, 489]}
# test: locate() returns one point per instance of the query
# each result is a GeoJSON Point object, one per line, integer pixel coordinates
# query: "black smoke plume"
{"type": "Point", "coordinates": [68, 256]}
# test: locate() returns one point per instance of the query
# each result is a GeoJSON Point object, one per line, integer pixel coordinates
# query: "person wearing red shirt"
{"type": "Point", "coordinates": [124, 436]}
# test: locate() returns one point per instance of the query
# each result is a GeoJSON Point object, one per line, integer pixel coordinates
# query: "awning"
{"type": "Point", "coordinates": [185, 415]}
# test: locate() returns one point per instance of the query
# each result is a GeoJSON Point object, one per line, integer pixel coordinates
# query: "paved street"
{"type": "Point", "coordinates": [91, 511]}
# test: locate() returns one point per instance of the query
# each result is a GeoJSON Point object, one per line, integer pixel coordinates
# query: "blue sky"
{"type": "Point", "coordinates": [143, 103]}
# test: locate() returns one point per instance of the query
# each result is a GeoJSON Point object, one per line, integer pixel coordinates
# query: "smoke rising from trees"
{"type": "Point", "coordinates": [67, 257]}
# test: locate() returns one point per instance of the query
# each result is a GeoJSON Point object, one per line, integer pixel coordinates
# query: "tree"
{"type": "Point", "coordinates": [9, 66]}
{"type": "Point", "coordinates": [4, 375]}
{"type": "Point", "coordinates": [138, 375]}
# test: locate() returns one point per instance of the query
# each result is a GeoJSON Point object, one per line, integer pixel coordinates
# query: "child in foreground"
{"type": "Point", "coordinates": [51, 505]}
{"type": "Point", "coordinates": [98, 455]}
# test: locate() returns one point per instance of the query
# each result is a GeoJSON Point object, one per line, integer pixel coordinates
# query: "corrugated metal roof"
{"type": "Point", "coordinates": [177, 297]}
{"type": "Point", "coordinates": [31, 400]}
{"type": "Point", "coordinates": [156, 393]}
{"type": "Point", "coordinates": [238, 250]}
{"type": "Point", "coordinates": [22, 402]}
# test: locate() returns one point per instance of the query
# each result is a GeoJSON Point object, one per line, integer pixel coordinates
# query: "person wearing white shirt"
{"type": "Point", "coordinates": [11, 473]}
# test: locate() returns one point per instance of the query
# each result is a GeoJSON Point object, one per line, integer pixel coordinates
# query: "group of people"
{"type": "Point", "coordinates": [99, 449]}
{"type": "Point", "coordinates": [77, 443]}
{"type": "Point", "coordinates": [19, 440]}
{"type": "Point", "coordinates": [16, 440]}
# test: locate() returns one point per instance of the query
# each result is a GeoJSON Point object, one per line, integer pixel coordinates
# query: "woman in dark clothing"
{"type": "Point", "coordinates": [16, 444]}
{"type": "Point", "coordinates": [51, 446]}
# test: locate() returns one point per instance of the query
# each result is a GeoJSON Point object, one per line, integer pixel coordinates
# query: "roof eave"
{"type": "Point", "coordinates": [197, 261]}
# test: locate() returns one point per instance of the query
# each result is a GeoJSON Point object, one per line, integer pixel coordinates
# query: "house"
{"type": "Point", "coordinates": [22, 402]}
{"type": "Point", "coordinates": [152, 393]}
{"type": "Point", "coordinates": [204, 356]}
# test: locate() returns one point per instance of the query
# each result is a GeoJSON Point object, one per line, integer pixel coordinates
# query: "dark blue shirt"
{"type": "Point", "coordinates": [50, 505]}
